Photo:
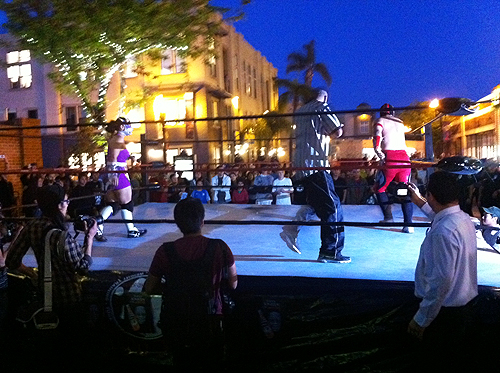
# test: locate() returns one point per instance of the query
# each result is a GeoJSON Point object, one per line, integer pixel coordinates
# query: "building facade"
{"type": "Point", "coordinates": [27, 92]}
{"type": "Point", "coordinates": [170, 101]}
{"type": "Point", "coordinates": [476, 135]}
{"type": "Point", "coordinates": [236, 81]}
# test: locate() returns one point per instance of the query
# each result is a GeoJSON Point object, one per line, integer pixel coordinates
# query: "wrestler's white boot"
{"type": "Point", "coordinates": [133, 232]}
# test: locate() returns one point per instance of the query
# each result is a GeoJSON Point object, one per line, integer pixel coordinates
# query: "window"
{"type": "Point", "coordinates": [268, 97]}
{"type": "Point", "coordinates": [19, 69]}
{"type": "Point", "coordinates": [249, 80]}
{"type": "Point", "coordinates": [244, 79]}
{"type": "Point", "coordinates": [254, 83]}
{"type": "Point", "coordinates": [212, 60]}
{"type": "Point", "coordinates": [172, 109]}
{"type": "Point", "coordinates": [364, 127]}
{"type": "Point", "coordinates": [71, 113]}
{"type": "Point", "coordinates": [364, 124]}
{"type": "Point", "coordinates": [215, 112]}
{"type": "Point", "coordinates": [225, 70]}
{"type": "Point", "coordinates": [262, 93]}
{"type": "Point", "coordinates": [11, 114]}
{"type": "Point", "coordinates": [172, 63]}
{"type": "Point", "coordinates": [33, 113]}
{"type": "Point", "coordinates": [173, 152]}
{"type": "Point", "coordinates": [481, 145]}
{"type": "Point", "coordinates": [236, 73]}
{"type": "Point", "coordinates": [212, 64]}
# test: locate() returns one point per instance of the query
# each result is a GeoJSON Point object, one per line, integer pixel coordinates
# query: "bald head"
{"type": "Point", "coordinates": [322, 96]}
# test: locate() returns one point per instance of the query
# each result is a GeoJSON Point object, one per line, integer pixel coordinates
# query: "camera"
{"type": "Point", "coordinates": [85, 222]}
{"type": "Point", "coordinates": [8, 230]}
{"type": "Point", "coordinates": [399, 191]}
{"type": "Point", "coordinates": [402, 191]}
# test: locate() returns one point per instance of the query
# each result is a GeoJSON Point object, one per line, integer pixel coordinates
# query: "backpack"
{"type": "Point", "coordinates": [40, 311]}
{"type": "Point", "coordinates": [189, 300]}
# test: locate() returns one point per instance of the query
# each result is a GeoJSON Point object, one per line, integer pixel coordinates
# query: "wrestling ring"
{"type": "Point", "coordinates": [331, 316]}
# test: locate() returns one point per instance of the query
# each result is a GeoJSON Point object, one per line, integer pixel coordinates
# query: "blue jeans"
{"type": "Point", "coordinates": [323, 202]}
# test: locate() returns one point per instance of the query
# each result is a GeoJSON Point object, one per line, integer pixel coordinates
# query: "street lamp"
{"type": "Point", "coordinates": [429, 146]}
{"type": "Point", "coordinates": [456, 106]}
{"type": "Point", "coordinates": [434, 104]}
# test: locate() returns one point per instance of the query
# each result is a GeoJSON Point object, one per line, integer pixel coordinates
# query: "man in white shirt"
{"type": "Point", "coordinates": [221, 187]}
{"type": "Point", "coordinates": [282, 188]}
{"type": "Point", "coordinates": [446, 272]}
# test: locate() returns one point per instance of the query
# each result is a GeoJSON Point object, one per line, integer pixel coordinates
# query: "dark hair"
{"type": "Point", "coordinates": [444, 187]}
{"type": "Point", "coordinates": [115, 125]}
{"type": "Point", "coordinates": [189, 214]}
{"type": "Point", "coordinates": [48, 198]}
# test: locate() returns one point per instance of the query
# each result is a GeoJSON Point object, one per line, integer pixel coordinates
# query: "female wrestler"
{"type": "Point", "coordinates": [119, 195]}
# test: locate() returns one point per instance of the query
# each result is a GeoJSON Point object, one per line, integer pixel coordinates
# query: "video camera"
{"type": "Point", "coordinates": [84, 222]}
{"type": "Point", "coordinates": [398, 192]}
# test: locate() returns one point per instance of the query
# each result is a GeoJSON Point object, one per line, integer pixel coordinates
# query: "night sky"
{"type": "Point", "coordinates": [398, 51]}
{"type": "Point", "coordinates": [383, 51]}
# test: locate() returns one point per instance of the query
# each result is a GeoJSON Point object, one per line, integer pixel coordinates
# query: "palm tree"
{"type": "Point", "coordinates": [298, 61]}
{"type": "Point", "coordinates": [296, 93]}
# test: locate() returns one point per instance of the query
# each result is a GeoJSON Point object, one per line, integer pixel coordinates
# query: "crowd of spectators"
{"type": "Point", "coordinates": [226, 184]}
{"type": "Point", "coordinates": [85, 191]}
{"type": "Point", "coordinates": [268, 184]}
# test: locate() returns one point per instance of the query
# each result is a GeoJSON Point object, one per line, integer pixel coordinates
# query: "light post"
{"type": "Point", "coordinates": [429, 146]}
{"type": "Point", "coordinates": [455, 106]}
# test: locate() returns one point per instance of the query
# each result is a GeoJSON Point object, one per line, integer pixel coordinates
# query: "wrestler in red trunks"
{"type": "Point", "coordinates": [389, 144]}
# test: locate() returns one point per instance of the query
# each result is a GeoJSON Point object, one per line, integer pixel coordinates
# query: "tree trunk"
{"type": "Point", "coordinates": [309, 77]}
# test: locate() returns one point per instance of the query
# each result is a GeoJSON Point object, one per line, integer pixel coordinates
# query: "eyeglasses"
{"type": "Point", "coordinates": [65, 201]}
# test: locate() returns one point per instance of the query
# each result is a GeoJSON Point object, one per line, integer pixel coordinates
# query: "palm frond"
{"type": "Point", "coordinates": [322, 70]}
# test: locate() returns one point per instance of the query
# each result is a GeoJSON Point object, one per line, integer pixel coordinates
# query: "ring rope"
{"type": "Point", "coordinates": [343, 165]}
{"type": "Point", "coordinates": [252, 222]}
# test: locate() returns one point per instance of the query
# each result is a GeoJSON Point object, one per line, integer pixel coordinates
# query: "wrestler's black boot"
{"type": "Point", "coordinates": [99, 236]}
{"type": "Point", "coordinates": [386, 207]}
{"type": "Point", "coordinates": [407, 208]}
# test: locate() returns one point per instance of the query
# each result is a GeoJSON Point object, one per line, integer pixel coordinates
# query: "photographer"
{"type": "Point", "coordinates": [3, 287]}
{"type": "Point", "coordinates": [69, 259]}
